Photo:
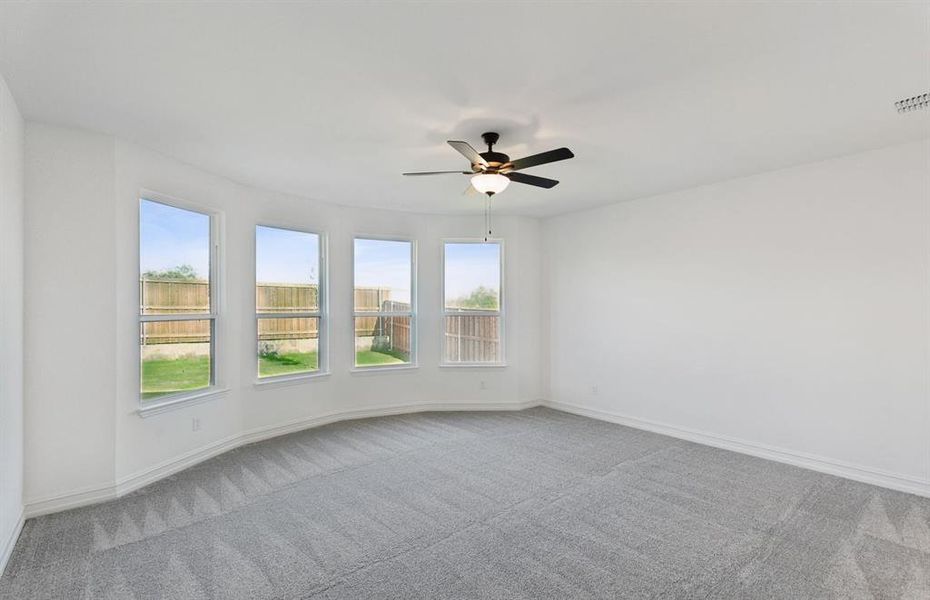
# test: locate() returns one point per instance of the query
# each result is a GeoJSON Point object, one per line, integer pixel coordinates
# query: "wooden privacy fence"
{"type": "Point", "coordinates": [170, 298]}
{"type": "Point", "coordinates": [159, 297]}
{"type": "Point", "coordinates": [472, 338]}
{"type": "Point", "coordinates": [469, 337]}
{"type": "Point", "coordinates": [286, 298]}
{"type": "Point", "coordinates": [173, 297]}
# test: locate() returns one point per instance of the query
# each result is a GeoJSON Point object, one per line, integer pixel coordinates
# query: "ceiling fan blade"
{"type": "Point", "coordinates": [532, 180]}
{"type": "Point", "coordinates": [470, 190]}
{"type": "Point", "coordinates": [541, 159]}
{"type": "Point", "coordinates": [465, 149]}
{"type": "Point", "coordinates": [440, 173]}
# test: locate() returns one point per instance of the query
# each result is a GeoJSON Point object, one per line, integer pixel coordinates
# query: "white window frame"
{"type": "Point", "coordinates": [322, 312]}
{"type": "Point", "coordinates": [169, 401]}
{"type": "Point", "coordinates": [499, 313]}
{"type": "Point", "coordinates": [413, 364]}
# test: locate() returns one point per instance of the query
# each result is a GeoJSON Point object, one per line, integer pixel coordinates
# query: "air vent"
{"type": "Point", "coordinates": [912, 103]}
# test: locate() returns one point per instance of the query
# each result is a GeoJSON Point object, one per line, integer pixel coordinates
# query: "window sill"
{"type": "Point", "coordinates": [288, 380]}
{"type": "Point", "coordinates": [176, 402]}
{"type": "Point", "coordinates": [473, 365]}
{"type": "Point", "coordinates": [382, 369]}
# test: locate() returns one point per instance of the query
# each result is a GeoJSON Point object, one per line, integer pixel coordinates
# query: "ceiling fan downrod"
{"type": "Point", "coordinates": [487, 217]}
{"type": "Point", "coordinates": [490, 138]}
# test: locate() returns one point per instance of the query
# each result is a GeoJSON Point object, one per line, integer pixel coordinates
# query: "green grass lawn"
{"type": "Point", "coordinates": [370, 357]}
{"type": "Point", "coordinates": [163, 376]}
{"type": "Point", "coordinates": [287, 364]}
{"type": "Point", "coordinates": [168, 376]}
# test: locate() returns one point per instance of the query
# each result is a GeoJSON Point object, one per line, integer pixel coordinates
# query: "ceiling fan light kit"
{"type": "Point", "coordinates": [489, 183]}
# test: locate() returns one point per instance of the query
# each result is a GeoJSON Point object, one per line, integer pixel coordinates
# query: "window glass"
{"type": "Point", "coordinates": [176, 320]}
{"type": "Point", "coordinates": [472, 276]}
{"type": "Point", "coordinates": [287, 346]}
{"type": "Point", "coordinates": [287, 270]}
{"type": "Point", "coordinates": [288, 301]}
{"type": "Point", "coordinates": [382, 340]}
{"type": "Point", "coordinates": [472, 324]}
{"type": "Point", "coordinates": [382, 275]}
{"type": "Point", "coordinates": [383, 292]}
{"type": "Point", "coordinates": [174, 260]}
{"type": "Point", "coordinates": [175, 357]}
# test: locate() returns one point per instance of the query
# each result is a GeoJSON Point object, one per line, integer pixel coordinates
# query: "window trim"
{"type": "Point", "coordinates": [323, 362]}
{"type": "Point", "coordinates": [414, 329]}
{"type": "Point", "coordinates": [216, 387]}
{"type": "Point", "coordinates": [500, 313]}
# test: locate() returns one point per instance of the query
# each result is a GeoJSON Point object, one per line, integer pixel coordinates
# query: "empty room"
{"type": "Point", "coordinates": [467, 300]}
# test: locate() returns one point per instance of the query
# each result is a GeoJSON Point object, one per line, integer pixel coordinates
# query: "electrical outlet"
{"type": "Point", "coordinates": [484, 385]}
{"type": "Point", "coordinates": [195, 424]}
{"type": "Point", "coordinates": [594, 390]}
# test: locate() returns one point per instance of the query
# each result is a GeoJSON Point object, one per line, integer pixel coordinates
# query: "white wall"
{"type": "Point", "coordinates": [784, 314]}
{"type": "Point", "coordinates": [70, 303]}
{"type": "Point", "coordinates": [82, 240]}
{"type": "Point", "coordinates": [11, 321]}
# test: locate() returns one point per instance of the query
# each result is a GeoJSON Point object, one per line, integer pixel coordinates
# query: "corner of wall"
{"type": "Point", "coordinates": [12, 145]}
{"type": "Point", "coordinates": [545, 293]}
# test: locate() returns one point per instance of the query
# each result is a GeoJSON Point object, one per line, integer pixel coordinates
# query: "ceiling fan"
{"type": "Point", "coordinates": [491, 172]}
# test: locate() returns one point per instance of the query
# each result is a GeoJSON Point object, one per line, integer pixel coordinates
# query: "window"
{"type": "Point", "coordinates": [289, 302]}
{"type": "Point", "coordinates": [177, 311]}
{"type": "Point", "coordinates": [472, 303]}
{"type": "Point", "coordinates": [385, 302]}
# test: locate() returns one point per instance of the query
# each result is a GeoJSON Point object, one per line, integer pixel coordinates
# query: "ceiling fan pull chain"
{"type": "Point", "coordinates": [487, 216]}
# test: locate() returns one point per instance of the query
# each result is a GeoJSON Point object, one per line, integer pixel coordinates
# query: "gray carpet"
{"type": "Point", "coordinates": [534, 504]}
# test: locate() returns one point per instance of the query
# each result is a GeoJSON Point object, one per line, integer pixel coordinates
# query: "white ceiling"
{"type": "Point", "coordinates": [334, 101]}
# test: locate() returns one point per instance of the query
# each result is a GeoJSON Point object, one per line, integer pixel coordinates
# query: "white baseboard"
{"type": "Point", "coordinates": [69, 500]}
{"type": "Point", "coordinates": [10, 542]}
{"type": "Point", "coordinates": [130, 483]}
{"type": "Point", "coordinates": [894, 481]}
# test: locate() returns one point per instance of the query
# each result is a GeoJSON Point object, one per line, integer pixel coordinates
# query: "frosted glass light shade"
{"type": "Point", "coordinates": [490, 182]}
